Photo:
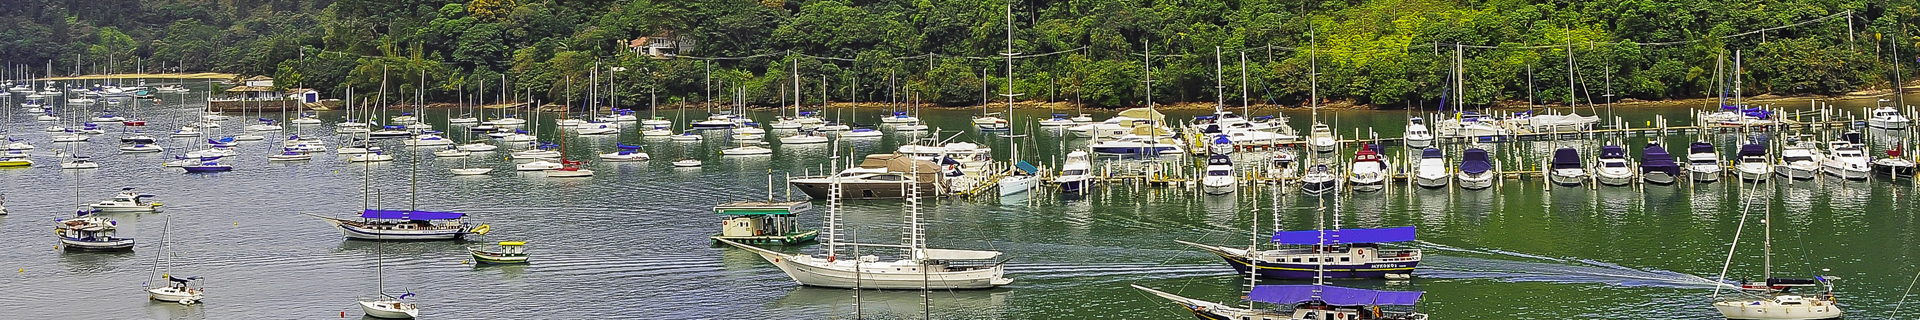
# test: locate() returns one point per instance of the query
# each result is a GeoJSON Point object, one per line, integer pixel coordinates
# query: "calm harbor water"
{"type": "Point", "coordinates": [631, 241]}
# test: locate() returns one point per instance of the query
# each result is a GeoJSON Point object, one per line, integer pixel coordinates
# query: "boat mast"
{"type": "Point", "coordinates": [1009, 54]}
{"type": "Point", "coordinates": [1573, 107]}
{"type": "Point", "coordinates": [833, 204]}
{"type": "Point", "coordinates": [1219, 85]}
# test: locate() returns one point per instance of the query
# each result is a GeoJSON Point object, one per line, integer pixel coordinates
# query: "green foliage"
{"type": "Point", "coordinates": [1389, 53]}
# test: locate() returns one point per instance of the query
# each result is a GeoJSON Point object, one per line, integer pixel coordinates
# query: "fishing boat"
{"type": "Point", "coordinates": [1887, 117]}
{"type": "Point", "coordinates": [1476, 170]}
{"type": "Point", "coordinates": [1703, 163]}
{"type": "Point", "coordinates": [1319, 179]}
{"type": "Point", "coordinates": [1657, 166]}
{"type": "Point", "coordinates": [1344, 253]}
{"type": "Point", "coordinates": [1773, 298]}
{"type": "Point", "coordinates": [1613, 168]}
{"type": "Point", "coordinates": [1220, 178]}
{"type": "Point", "coordinates": [378, 224]}
{"type": "Point", "coordinates": [1847, 158]}
{"type": "Point", "coordinates": [1431, 171]}
{"type": "Point", "coordinates": [1566, 168]}
{"type": "Point", "coordinates": [1799, 162]}
{"type": "Point", "coordinates": [1417, 135]}
{"type": "Point", "coordinates": [88, 232]}
{"type": "Point", "coordinates": [1076, 174]}
{"type": "Point", "coordinates": [1321, 139]}
{"type": "Point", "coordinates": [921, 268]}
{"type": "Point", "coordinates": [1368, 171]}
{"type": "Point", "coordinates": [1753, 165]}
{"type": "Point", "coordinates": [126, 201]}
{"type": "Point", "coordinates": [763, 223]}
{"type": "Point", "coordinates": [504, 252]}
{"type": "Point", "coordinates": [1894, 165]}
{"type": "Point", "coordinates": [626, 153]}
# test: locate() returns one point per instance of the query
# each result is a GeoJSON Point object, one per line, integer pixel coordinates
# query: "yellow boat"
{"type": "Point", "coordinates": [8, 163]}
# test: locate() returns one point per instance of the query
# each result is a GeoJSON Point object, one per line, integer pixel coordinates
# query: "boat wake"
{"type": "Point", "coordinates": [1548, 269]}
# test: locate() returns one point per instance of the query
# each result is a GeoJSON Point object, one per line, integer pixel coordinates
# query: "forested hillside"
{"type": "Point", "coordinates": [1388, 53]}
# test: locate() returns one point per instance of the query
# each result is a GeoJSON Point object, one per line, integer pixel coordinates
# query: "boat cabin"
{"type": "Point", "coordinates": [769, 223]}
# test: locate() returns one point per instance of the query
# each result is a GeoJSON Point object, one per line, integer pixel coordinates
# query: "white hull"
{"type": "Point", "coordinates": [1745, 310]}
{"type": "Point", "coordinates": [1615, 178]}
{"type": "Point", "coordinates": [1431, 180]}
{"type": "Point", "coordinates": [1856, 172]}
{"type": "Point", "coordinates": [623, 157]}
{"type": "Point", "coordinates": [370, 234]}
{"type": "Point", "coordinates": [1568, 177]}
{"type": "Point", "coordinates": [471, 171]}
{"type": "Point", "coordinates": [896, 275]}
{"type": "Point", "coordinates": [1219, 185]}
{"type": "Point", "coordinates": [1888, 124]}
{"type": "Point", "coordinates": [170, 294]}
{"type": "Point", "coordinates": [1797, 172]}
{"type": "Point", "coordinates": [1476, 181]}
{"type": "Point", "coordinates": [1658, 178]}
{"type": "Point", "coordinates": [384, 309]}
{"type": "Point", "coordinates": [582, 173]}
{"type": "Point", "coordinates": [1754, 172]}
{"type": "Point", "coordinates": [1703, 173]}
{"type": "Point", "coordinates": [1017, 184]}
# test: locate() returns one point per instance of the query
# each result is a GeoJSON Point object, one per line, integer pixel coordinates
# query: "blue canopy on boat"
{"type": "Point", "coordinates": [394, 127]}
{"type": "Point", "coordinates": [1026, 167]}
{"type": "Point", "coordinates": [1656, 159]}
{"type": "Point", "coordinates": [1207, 117]}
{"type": "Point", "coordinates": [1222, 139]}
{"type": "Point", "coordinates": [1339, 296]}
{"type": "Point", "coordinates": [900, 113]}
{"type": "Point", "coordinates": [410, 215]}
{"type": "Point", "coordinates": [628, 147]}
{"type": "Point", "coordinates": [1262, 117]}
{"type": "Point", "coordinates": [1430, 153]}
{"type": "Point", "coordinates": [1753, 149]}
{"type": "Point", "coordinates": [1475, 161]}
{"type": "Point", "coordinates": [1345, 236]}
{"type": "Point", "coordinates": [1566, 158]}
{"type": "Point", "coordinates": [1700, 147]}
{"type": "Point", "coordinates": [1607, 152]}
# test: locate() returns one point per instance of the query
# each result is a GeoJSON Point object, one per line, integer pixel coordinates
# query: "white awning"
{"type": "Point", "coordinates": [951, 254]}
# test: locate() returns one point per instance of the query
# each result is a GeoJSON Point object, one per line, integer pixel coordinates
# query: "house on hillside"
{"type": "Point", "coordinates": [259, 93]}
{"type": "Point", "coordinates": [664, 45]}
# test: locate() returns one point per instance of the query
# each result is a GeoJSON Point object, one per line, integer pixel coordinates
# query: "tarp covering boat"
{"type": "Point", "coordinates": [1700, 147]}
{"type": "Point", "coordinates": [410, 215]}
{"type": "Point", "coordinates": [1566, 158]}
{"type": "Point", "coordinates": [1430, 153]}
{"type": "Point", "coordinates": [1613, 152]}
{"type": "Point", "coordinates": [1753, 149]}
{"type": "Point", "coordinates": [1026, 167]}
{"type": "Point", "coordinates": [1475, 161]}
{"type": "Point", "coordinates": [1656, 159]}
{"type": "Point", "coordinates": [1339, 296]}
{"type": "Point", "coordinates": [1344, 236]}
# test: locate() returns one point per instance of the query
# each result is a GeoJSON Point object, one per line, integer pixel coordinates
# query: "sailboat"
{"type": "Point", "coordinates": [922, 269]}
{"type": "Point", "coordinates": [386, 306]}
{"type": "Point", "coordinates": [179, 290]}
{"type": "Point", "coordinates": [1317, 301]}
{"type": "Point", "coordinates": [1773, 298]}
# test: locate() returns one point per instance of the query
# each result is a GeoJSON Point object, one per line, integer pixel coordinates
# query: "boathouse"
{"type": "Point", "coordinates": [259, 93]}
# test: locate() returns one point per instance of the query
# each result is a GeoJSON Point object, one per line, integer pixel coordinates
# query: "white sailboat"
{"type": "Point", "coordinates": [177, 289]}
{"type": "Point", "coordinates": [1772, 299]}
{"type": "Point", "coordinates": [922, 269]}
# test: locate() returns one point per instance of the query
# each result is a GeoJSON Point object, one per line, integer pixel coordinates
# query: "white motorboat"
{"type": "Point", "coordinates": [1657, 166]}
{"type": "Point", "coordinates": [1122, 123]}
{"type": "Point", "coordinates": [1567, 168]}
{"type": "Point", "coordinates": [126, 201]}
{"type": "Point", "coordinates": [1417, 135]}
{"type": "Point", "coordinates": [1137, 144]}
{"type": "Point", "coordinates": [1847, 159]}
{"type": "Point", "coordinates": [1703, 163]}
{"type": "Point", "coordinates": [1076, 174]}
{"type": "Point", "coordinates": [1476, 170]}
{"type": "Point", "coordinates": [404, 118]}
{"type": "Point", "coordinates": [990, 122]}
{"type": "Point", "coordinates": [1799, 162]}
{"type": "Point", "coordinates": [1220, 178]}
{"type": "Point", "coordinates": [686, 163]}
{"type": "Point", "coordinates": [1558, 123]}
{"type": "Point", "coordinates": [1431, 170]}
{"type": "Point", "coordinates": [1613, 168]}
{"type": "Point", "coordinates": [1894, 165]}
{"type": "Point", "coordinates": [471, 171]}
{"type": "Point", "coordinates": [1369, 170]}
{"type": "Point", "coordinates": [1753, 165]}
{"type": "Point", "coordinates": [1887, 117]}
{"type": "Point", "coordinates": [1321, 138]}
{"type": "Point", "coordinates": [536, 165]}
{"type": "Point", "coordinates": [1319, 179]}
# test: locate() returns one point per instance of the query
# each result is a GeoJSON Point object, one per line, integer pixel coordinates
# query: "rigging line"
{"type": "Point", "coordinates": [1903, 296]}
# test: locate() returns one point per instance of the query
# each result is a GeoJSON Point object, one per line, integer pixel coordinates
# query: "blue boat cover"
{"type": "Point", "coordinates": [1753, 149]}
{"type": "Point", "coordinates": [1345, 236]}
{"type": "Point", "coordinates": [1656, 159]}
{"type": "Point", "coordinates": [628, 147]}
{"type": "Point", "coordinates": [1430, 153]}
{"type": "Point", "coordinates": [1375, 148]}
{"type": "Point", "coordinates": [1026, 167]}
{"type": "Point", "coordinates": [1222, 139]}
{"type": "Point", "coordinates": [1700, 147]}
{"type": "Point", "coordinates": [1332, 295]}
{"type": "Point", "coordinates": [1612, 152]}
{"type": "Point", "coordinates": [1475, 161]}
{"type": "Point", "coordinates": [1262, 117]}
{"type": "Point", "coordinates": [1566, 158]}
{"type": "Point", "coordinates": [410, 215]}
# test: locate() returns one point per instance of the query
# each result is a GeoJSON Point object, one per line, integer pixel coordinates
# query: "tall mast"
{"type": "Point", "coordinates": [1245, 107]}
{"type": "Point", "coordinates": [1766, 227]}
{"type": "Point", "coordinates": [1009, 54]}
{"type": "Point", "coordinates": [1737, 100]}
{"type": "Point", "coordinates": [1148, 57]}
{"type": "Point", "coordinates": [1572, 106]}
{"type": "Point", "coordinates": [1219, 84]}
